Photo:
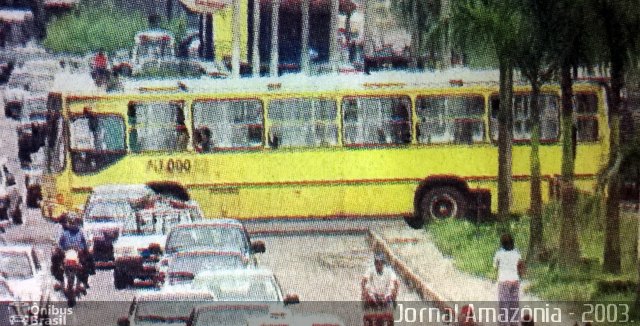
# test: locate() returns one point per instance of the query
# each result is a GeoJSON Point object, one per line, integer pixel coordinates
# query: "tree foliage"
{"type": "Point", "coordinates": [90, 28]}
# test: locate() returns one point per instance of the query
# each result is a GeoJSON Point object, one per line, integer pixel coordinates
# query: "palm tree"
{"type": "Point", "coordinates": [235, 46]}
{"type": "Point", "coordinates": [535, 63]}
{"type": "Point", "coordinates": [620, 33]}
{"type": "Point", "coordinates": [305, 59]}
{"type": "Point", "coordinates": [275, 20]}
{"type": "Point", "coordinates": [255, 58]}
{"type": "Point", "coordinates": [496, 24]}
{"type": "Point", "coordinates": [568, 44]}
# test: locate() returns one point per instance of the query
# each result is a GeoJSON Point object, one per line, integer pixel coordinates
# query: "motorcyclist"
{"type": "Point", "coordinates": [72, 238]}
{"type": "Point", "coordinates": [379, 285]}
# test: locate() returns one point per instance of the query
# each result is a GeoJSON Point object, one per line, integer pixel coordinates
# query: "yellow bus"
{"type": "Point", "coordinates": [295, 147]}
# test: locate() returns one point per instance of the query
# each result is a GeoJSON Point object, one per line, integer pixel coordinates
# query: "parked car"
{"type": "Point", "coordinates": [27, 278]}
{"type": "Point", "coordinates": [167, 307]}
{"type": "Point", "coordinates": [184, 266]}
{"type": "Point", "coordinates": [138, 251]}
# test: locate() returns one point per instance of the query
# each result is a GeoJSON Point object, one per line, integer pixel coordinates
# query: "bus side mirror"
{"type": "Point", "coordinates": [258, 247]}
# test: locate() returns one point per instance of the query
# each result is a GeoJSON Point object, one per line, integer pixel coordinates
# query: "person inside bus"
{"type": "Point", "coordinates": [182, 139]}
{"type": "Point", "coordinates": [203, 139]}
{"type": "Point", "coordinates": [274, 140]}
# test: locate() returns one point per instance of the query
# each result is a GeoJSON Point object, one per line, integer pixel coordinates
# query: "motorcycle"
{"type": "Point", "coordinates": [70, 272]}
{"type": "Point", "coordinates": [378, 310]}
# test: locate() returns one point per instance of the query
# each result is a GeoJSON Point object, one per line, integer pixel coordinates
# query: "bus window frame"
{"type": "Point", "coordinates": [129, 127]}
{"type": "Point", "coordinates": [524, 141]}
{"type": "Point", "coordinates": [410, 120]}
{"type": "Point", "coordinates": [263, 139]}
{"type": "Point", "coordinates": [592, 116]}
{"type": "Point", "coordinates": [314, 122]}
{"type": "Point", "coordinates": [482, 118]}
{"type": "Point", "coordinates": [76, 115]}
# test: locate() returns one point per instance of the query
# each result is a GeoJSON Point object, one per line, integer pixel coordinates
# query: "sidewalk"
{"type": "Point", "coordinates": [418, 261]}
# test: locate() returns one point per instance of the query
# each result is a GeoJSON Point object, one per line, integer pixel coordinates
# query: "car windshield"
{"type": "Point", "coordinates": [243, 288]}
{"type": "Point", "coordinates": [15, 265]}
{"type": "Point", "coordinates": [213, 238]}
{"type": "Point", "coordinates": [230, 315]}
{"type": "Point", "coordinates": [108, 211]}
{"type": "Point", "coordinates": [164, 311]}
{"type": "Point", "coordinates": [192, 264]}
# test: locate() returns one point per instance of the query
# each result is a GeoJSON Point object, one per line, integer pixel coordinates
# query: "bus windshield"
{"type": "Point", "coordinates": [96, 141]}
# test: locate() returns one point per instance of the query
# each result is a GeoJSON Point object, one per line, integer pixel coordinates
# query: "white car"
{"type": "Point", "coordinates": [182, 268]}
{"type": "Point", "coordinates": [25, 275]}
{"type": "Point", "coordinates": [257, 284]}
{"type": "Point", "coordinates": [139, 249]}
{"type": "Point", "coordinates": [167, 308]}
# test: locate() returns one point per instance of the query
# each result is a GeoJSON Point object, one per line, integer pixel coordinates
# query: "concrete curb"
{"type": "Point", "coordinates": [403, 270]}
{"type": "Point", "coordinates": [308, 231]}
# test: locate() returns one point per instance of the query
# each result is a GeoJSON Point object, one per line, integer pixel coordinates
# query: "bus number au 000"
{"type": "Point", "coordinates": [169, 166]}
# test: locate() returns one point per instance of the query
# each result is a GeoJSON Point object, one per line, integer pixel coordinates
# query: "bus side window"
{"type": "Point", "coordinates": [377, 120]}
{"type": "Point", "coordinates": [586, 109]}
{"type": "Point", "coordinates": [157, 126]}
{"type": "Point", "coordinates": [455, 119]}
{"type": "Point", "coordinates": [234, 123]}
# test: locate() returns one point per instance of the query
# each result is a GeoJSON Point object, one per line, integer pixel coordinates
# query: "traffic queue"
{"type": "Point", "coordinates": [186, 269]}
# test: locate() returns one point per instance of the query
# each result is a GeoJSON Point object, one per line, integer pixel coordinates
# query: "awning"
{"type": "Point", "coordinates": [60, 3]}
{"type": "Point", "coordinates": [15, 15]}
{"type": "Point", "coordinates": [206, 6]}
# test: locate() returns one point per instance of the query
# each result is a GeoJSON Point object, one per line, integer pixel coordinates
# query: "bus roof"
{"type": "Point", "coordinates": [298, 82]}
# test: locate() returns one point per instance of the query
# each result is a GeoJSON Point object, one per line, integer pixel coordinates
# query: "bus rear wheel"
{"type": "Point", "coordinates": [443, 202]}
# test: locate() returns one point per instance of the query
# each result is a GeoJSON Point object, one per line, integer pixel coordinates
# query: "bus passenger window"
{"type": "Point", "coordinates": [377, 120]}
{"type": "Point", "coordinates": [308, 122]}
{"type": "Point", "coordinates": [586, 109]}
{"type": "Point", "coordinates": [522, 117]}
{"type": "Point", "coordinates": [450, 119]}
{"type": "Point", "coordinates": [234, 124]}
{"type": "Point", "coordinates": [156, 126]}
{"type": "Point", "coordinates": [96, 141]}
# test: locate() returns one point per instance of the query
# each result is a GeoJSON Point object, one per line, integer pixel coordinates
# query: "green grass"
{"type": "Point", "coordinates": [472, 247]}
{"type": "Point", "coordinates": [90, 28]}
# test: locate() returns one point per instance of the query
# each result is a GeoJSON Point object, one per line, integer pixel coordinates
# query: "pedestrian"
{"type": "Point", "coordinates": [380, 284]}
{"type": "Point", "coordinates": [509, 264]}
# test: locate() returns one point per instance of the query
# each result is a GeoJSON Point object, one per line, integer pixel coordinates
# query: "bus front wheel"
{"type": "Point", "coordinates": [443, 202]}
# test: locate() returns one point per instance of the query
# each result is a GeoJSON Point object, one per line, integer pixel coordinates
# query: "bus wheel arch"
{"type": "Point", "coordinates": [439, 197]}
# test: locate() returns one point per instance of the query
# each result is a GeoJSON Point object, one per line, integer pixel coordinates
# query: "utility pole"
{"type": "Point", "coordinates": [275, 20]}
{"type": "Point", "coordinates": [255, 60]}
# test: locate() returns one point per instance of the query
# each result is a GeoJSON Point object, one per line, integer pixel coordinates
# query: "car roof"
{"type": "Point", "coordinates": [118, 188]}
{"type": "Point", "coordinates": [17, 248]}
{"type": "Point", "coordinates": [236, 272]}
{"type": "Point", "coordinates": [221, 222]}
{"type": "Point", "coordinates": [208, 253]}
{"type": "Point", "coordinates": [174, 295]}
{"type": "Point", "coordinates": [230, 306]}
